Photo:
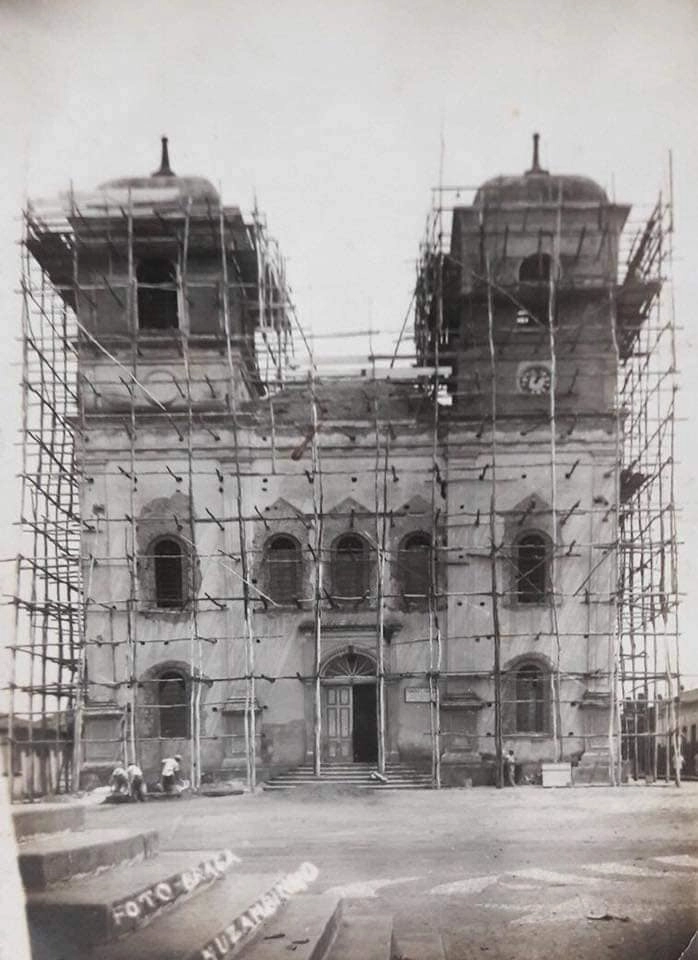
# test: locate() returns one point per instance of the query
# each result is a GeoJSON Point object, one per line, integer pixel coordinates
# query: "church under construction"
{"type": "Point", "coordinates": [464, 546]}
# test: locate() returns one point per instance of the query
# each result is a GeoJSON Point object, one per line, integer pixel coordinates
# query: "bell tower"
{"type": "Point", "coordinates": [170, 290]}
{"type": "Point", "coordinates": [539, 253]}
{"type": "Point", "coordinates": [526, 321]}
{"type": "Point", "coordinates": [166, 276]}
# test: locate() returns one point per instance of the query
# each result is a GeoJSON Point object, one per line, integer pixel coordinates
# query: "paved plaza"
{"type": "Point", "coordinates": [516, 873]}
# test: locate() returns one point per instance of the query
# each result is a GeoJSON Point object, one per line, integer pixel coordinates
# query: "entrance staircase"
{"type": "Point", "coordinates": [399, 776]}
{"type": "Point", "coordinates": [106, 894]}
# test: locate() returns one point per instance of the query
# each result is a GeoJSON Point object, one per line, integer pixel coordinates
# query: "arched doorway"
{"type": "Point", "coordinates": [349, 708]}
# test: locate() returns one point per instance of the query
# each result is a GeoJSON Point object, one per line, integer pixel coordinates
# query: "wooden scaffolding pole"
{"type": "Point", "coordinates": [552, 309]}
{"type": "Point", "coordinates": [195, 665]}
{"type": "Point", "coordinates": [381, 509]}
{"type": "Point", "coordinates": [435, 651]}
{"type": "Point", "coordinates": [620, 531]}
{"type": "Point", "coordinates": [494, 585]}
{"type": "Point", "coordinates": [80, 681]}
{"type": "Point", "coordinates": [250, 692]}
{"type": "Point", "coordinates": [132, 545]}
{"type": "Point", "coordinates": [317, 551]}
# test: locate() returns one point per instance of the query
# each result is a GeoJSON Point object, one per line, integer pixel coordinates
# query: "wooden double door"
{"type": "Point", "coordinates": [349, 723]}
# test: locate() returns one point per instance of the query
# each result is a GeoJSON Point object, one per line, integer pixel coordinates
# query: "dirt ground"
{"type": "Point", "coordinates": [516, 873]}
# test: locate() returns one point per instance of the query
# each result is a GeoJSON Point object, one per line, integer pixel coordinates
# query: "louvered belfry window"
{"type": "Point", "coordinates": [283, 569]}
{"type": "Point", "coordinates": [157, 294]}
{"type": "Point", "coordinates": [350, 567]}
{"type": "Point", "coordinates": [534, 293]}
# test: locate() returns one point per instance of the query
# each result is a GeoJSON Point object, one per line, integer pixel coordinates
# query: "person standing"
{"type": "Point", "coordinates": [170, 772]}
{"type": "Point", "coordinates": [510, 768]}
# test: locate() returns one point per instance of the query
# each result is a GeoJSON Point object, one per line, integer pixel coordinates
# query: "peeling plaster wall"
{"type": "Point", "coordinates": [281, 496]}
{"type": "Point", "coordinates": [277, 497]}
{"type": "Point", "coordinates": [584, 621]}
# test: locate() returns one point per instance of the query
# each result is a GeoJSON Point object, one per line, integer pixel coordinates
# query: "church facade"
{"type": "Point", "coordinates": [329, 572]}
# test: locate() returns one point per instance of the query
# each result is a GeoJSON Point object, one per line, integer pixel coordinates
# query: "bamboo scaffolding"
{"type": "Point", "coordinates": [381, 510]}
{"type": "Point", "coordinates": [493, 550]}
{"type": "Point", "coordinates": [638, 545]}
{"type": "Point", "coordinates": [250, 716]}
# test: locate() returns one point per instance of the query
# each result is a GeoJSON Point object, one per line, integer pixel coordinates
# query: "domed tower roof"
{"type": "Point", "coordinates": [538, 186]}
{"type": "Point", "coordinates": [196, 189]}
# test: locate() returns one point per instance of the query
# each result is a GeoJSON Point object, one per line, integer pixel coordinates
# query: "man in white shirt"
{"type": "Point", "coordinates": [170, 772]}
{"type": "Point", "coordinates": [135, 782]}
{"type": "Point", "coordinates": [119, 781]}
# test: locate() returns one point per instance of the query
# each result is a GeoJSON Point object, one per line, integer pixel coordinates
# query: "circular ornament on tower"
{"type": "Point", "coordinates": [534, 379]}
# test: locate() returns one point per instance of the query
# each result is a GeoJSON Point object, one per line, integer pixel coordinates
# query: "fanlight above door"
{"type": "Point", "coordinates": [350, 665]}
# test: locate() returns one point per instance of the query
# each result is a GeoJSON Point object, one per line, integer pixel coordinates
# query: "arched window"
{"type": "Point", "coordinates": [157, 295]}
{"type": "Point", "coordinates": [168, 562]}
{"type": "Point", "coordinates": [173, 708]}
{"type": "Point", "coordinates": [532, 557]}
{"type": "Point", "coordinates": [531, 699]}
{"type": "Point", "coordinates": [283, 556]}
{"type": "Point", "coordinates": [415, 566]}
{"type": "Point", "coordinates": [534, 296]}
{"type": "Point", "coordinates": [350, 567]}
{"type": "Point", "coordinates": [536, 269]}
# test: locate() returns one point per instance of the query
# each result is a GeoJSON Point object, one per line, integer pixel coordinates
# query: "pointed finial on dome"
{"type": "Point", "coordinates": [165, 169]}
{"type": "Point", "coordinates": [535, 166]}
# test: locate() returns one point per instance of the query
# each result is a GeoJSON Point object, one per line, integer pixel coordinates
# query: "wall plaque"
{"type": "Point", "coordinates": [417, 695]}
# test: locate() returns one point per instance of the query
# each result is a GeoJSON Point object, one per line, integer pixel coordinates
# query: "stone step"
{"type": "Point", "coordinates": [351, 777]}
{"type": "Point", "coordinates": [86, 912]}
{"type": "Point", "coordinates": [209, 927]}
{"type": "Point", "coordinates": [398, 776]}
{"type": "Point", "coordinates": [305, 927]}
{"type": "Point", "coordinates": [302, 778]}
{"type": "Point", "coordinates": [299, 787]}
{"type": "Point", "coordinates": [321, 784]}
{"type": "Point", "coordinates": [51, 859]}
{"type": "Point", "coordinates": [33, 819]}
{"type": "Point", "coordinates": [364, 934]}
{"type": "Point", "coordinates": [360, 775]}
{"type": "Point", "coordinates": [419, 946]}
{"type": "Point", "coordinates": [362, 767]}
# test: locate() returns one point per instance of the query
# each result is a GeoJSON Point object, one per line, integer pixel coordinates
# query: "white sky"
{"type": "Point", "coordinates": [331, 113]}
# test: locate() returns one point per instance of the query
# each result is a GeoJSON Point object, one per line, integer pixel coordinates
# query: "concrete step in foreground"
{"type": "Point", "coordinates": [92, 911]}
{"type": "Point", "coordinates": [54, 858]}
{"type": "Point", "coordinates": [365, 933]}
{"type": "Point", "coordinates": [304, 928]}
{"type": "Point", "coordinates": [419, 946]}
{"type": "Point", "coordinates": [210, 927]}
{"type": "Point", "coordinates": [33, 819]}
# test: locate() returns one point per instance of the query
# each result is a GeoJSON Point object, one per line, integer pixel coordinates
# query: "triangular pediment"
{"type": "Point", "coordinates": [532, 512]}
{"type": "Point", "coordinates": [348, 507]}
{"type": "Point", "coordinates": [414, 507]}
{"type": "Point", "coordinates": [531, 504]}
{"type": "Point", "coordinates": [281, 509]}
